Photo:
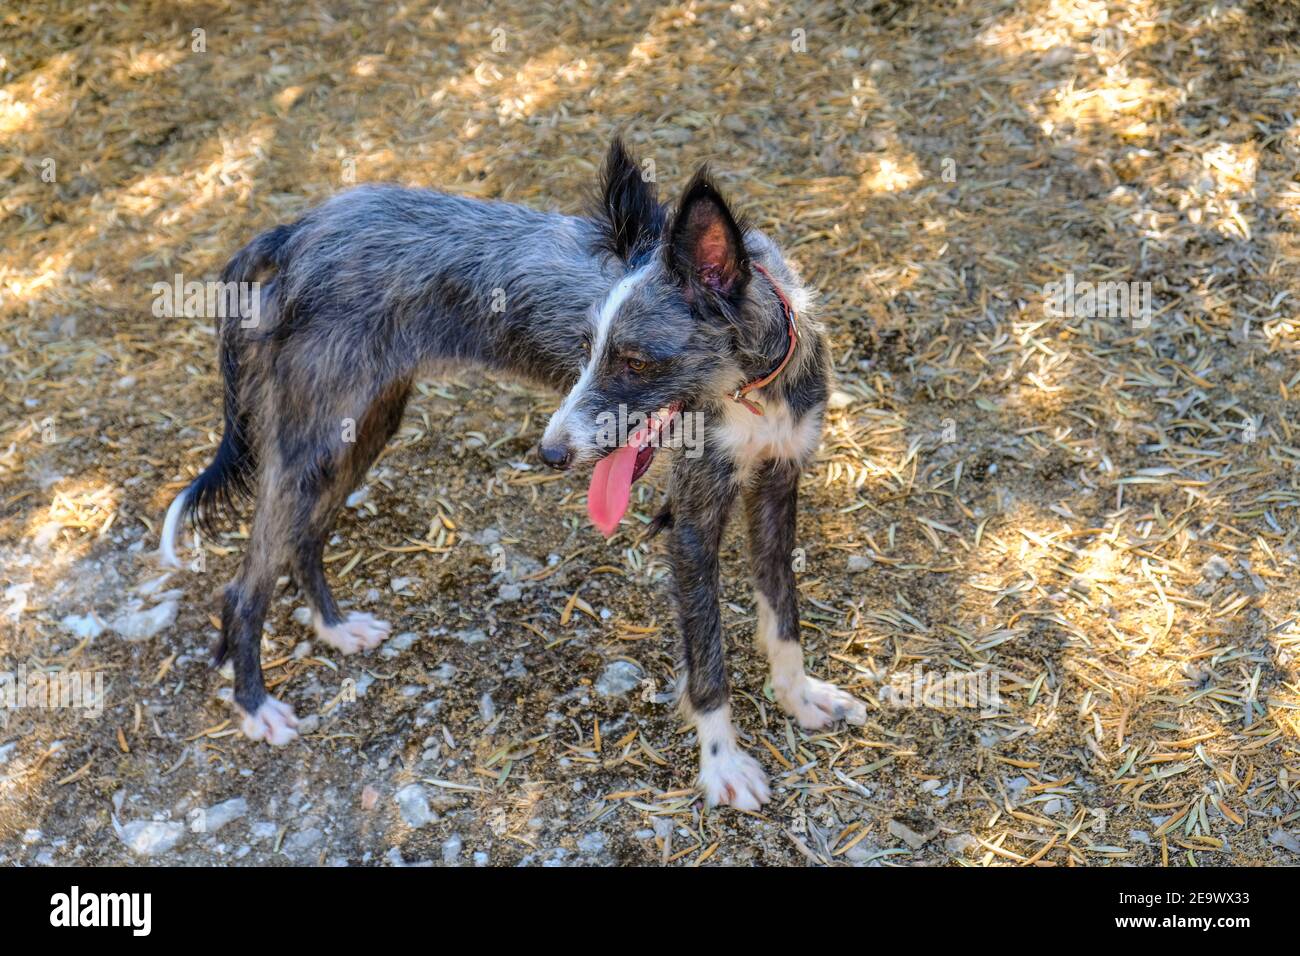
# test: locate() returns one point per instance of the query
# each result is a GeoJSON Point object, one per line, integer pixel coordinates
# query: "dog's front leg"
{"type": "Point", "coordinates": [702, 495]}
{"type": "Point", "coordinates": [770, 510]}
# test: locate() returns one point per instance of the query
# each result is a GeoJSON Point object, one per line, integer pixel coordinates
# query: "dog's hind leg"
{"type": "Point", "coordinates": [770, 509]}
{"type": "Point", "coordinates": [244, 609]}
{"type": "Point", "coordinates": [339, 466]}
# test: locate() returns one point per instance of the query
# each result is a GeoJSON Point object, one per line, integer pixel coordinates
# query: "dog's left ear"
{"type": "Point", "coordinates": [631, 219]}
{"type": "Point", "coordinates": [706, 246]}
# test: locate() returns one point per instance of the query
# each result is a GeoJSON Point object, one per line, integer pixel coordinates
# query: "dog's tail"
{"type": "Point", "coordinates": [228, 479]}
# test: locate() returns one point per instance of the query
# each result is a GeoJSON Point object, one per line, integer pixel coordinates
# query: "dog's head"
{"type": "Point", "coordinates": [679, 329]}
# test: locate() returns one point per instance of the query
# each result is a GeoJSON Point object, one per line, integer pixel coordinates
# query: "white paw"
{"type": "Point", "coordinates": [273, 722]}
{"type": "Point", "coordinates": [732, 777]}
{"type": "Point", "coordinates": [356, 632]}
{"type": "Point", "coordinates": [815, 703]}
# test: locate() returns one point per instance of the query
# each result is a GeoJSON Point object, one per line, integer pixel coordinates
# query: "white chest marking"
{"type": "Point", "coordinates": [750, 438]}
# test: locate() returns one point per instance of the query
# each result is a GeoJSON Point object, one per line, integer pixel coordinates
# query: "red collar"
{"type": "Point", "coordinates": [739, 394]}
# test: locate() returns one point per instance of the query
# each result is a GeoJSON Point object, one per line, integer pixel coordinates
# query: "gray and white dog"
{"type": "Point", "coordinates": [637, 306]}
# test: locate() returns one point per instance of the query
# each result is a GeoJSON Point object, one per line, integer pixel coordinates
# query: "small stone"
{"type": "Point", "coordinates": [309, 724]}
{"type": "Point", "coordinates": [1285, 839]}
{"type": "Point", "coordinates": [1215, 568]}
{"type": "Point", "coordinates": [451, 848]}
{"type": "Point", "coordinates": [263, 830]}
{"type": "Point", "coordinates": [959, 844]}
{"type": "Point", "coordinates": [487, 709]}
{"type": "Point", "coordinates": [302, 615]}
{"type": "Point", "coordinates": [413, 804]}
{"type": "Point", "coordinates": [83, 626]}
{"type": "Point", "coordinates": [510, 592]}
{"type": "Point", "coordinates": [1140, 836]}
{"type": "Point", "coordinates": [149, 837]}
{"type": "Point", "coordinates": [369, 798]}
{"type": "Point", "coordinates": [592, 843]}
{"type": "Point", "coordinates": [301, 846]}
{"type": "Point", "coordinates": [134, 624]}
{"type": "Point", "coordinates": [839, 400]}
{"type": "Point", "coordinates": [218, 815]}
{"type": "Point", "coordinates": [880, 68]}
{"type": "Point", "coordinates": [472, 636]}
{"type": "Point", "coordinates": [860, 562]}
{"type": "Point", "coordinates": [1053, 806]}
{"type": "Point", "coordinates": [1058, 56]}
{"type": "Point", "coordinates": [618, 678]}
{"type": "Point", "coordinates": [860, 852]}
{"type": "Point", "coordinates": [909, 836]}
{"type": "Point", "coordinates": [358, 497]}
{"type": "Point", "coordinates": [395, 645]}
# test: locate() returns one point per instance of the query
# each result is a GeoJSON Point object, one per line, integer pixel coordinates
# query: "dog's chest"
{"type": "Point", "coordinates": [749, 439]}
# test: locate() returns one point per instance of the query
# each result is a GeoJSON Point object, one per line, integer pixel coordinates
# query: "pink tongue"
{"type": "Point", "coordinates": [611, 488]}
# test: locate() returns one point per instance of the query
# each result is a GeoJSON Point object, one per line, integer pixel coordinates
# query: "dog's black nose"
{"type": "Point", "coordinates": [555, 456]}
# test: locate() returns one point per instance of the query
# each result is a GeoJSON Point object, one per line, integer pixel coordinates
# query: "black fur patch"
{"type": "Point", "coordinates": [630, 217]}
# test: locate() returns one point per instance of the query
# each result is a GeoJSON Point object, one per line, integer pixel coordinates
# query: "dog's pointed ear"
{"type": "Point", "coordinates": [631, 219]}
{"type": "Point", "coordinates": [706, 245]}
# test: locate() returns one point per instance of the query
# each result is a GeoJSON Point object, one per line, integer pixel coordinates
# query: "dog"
{"type": "Point", "coordinates": [679, 311]}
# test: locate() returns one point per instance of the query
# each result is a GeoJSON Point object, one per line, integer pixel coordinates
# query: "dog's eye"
{"type": "Point", "coordinates": [637, 366]}
{"type": "Point", "coordinates": [585, 345]}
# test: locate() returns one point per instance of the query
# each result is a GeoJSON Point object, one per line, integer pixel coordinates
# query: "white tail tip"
{"type": "Point", "coordinates": [167, 545]}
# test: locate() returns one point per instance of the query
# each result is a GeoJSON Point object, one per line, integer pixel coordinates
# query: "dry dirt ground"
{"type": "Point", "coordinates": [1098, 505]}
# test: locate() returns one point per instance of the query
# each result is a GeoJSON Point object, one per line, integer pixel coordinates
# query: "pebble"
{"type": "Point", "coordinates": [618, 678]}
{"type": "Point", "coordinates": [218, 815]}
{"type": "Point", "coordinates": [959, 844]}
{"type": "Point", "coordinates": [150, 837]}
{"type": "Point", "coordinates": [139, 625]}
{"type": "Point", "coordinates": [1215, 568]}
{"type": "Point", "coordinates": [301, 845]}
{"type": "Point", "coordinates": [263, 830]}
{"type": "Point", "coordinates": [471, 636]}
{"type": "Point", "coordinates": [83, 626]}
{"type": "Point", "coordinates": [909, 836]}
{"type": "Point", "coordinates": [1285, 839]}
{"type": "Point", "coordinates": [395, 645]}
{"type": "Point", "coordinates": [413, 804]}
{"type": "Point", "coordinates": [451, 848]}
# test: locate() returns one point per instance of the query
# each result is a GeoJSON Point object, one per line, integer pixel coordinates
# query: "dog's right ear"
{"type": "Point", "coordinates": [630, 218]}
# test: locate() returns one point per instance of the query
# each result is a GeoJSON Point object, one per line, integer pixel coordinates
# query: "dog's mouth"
{"type": "Point", "coordinates": [644, 457]}
{"type": "Point", "coordinates": [610, 490]}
